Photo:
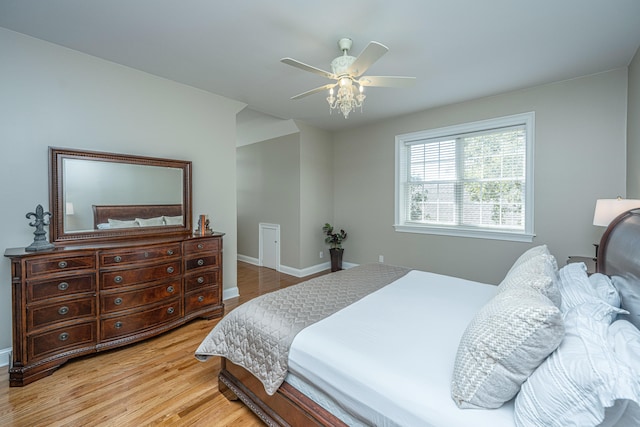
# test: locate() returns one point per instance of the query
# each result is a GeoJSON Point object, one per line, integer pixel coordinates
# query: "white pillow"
{"type": "Point", "coordinates": [507, 339]}
{"type": "Point", "coordinates": [117, 223]}
{"type": "Point", "coordinates": [576, 287]}
{"type": "Point", "coordinates": [604, 288]}
{"type": "Point", "coordinates": [150, 222]}
{"type": "Point", "coordinates": [173, 220]}
{"type": "Point", "coordinates": [629, 298]}
{"type": "Point", "coordinates": [583, 377]}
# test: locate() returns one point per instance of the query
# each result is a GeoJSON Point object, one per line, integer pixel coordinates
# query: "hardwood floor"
{"type": "Point", "coordinates": [157, 382]}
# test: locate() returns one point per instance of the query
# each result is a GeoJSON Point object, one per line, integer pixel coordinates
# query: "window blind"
{"type": "Point", "coordinates": [474, 179]}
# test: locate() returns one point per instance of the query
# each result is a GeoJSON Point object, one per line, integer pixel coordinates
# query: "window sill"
{"type": "Point", "coordinates": [462, 232]}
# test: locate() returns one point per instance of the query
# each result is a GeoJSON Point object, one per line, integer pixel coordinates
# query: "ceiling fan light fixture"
{"type": "Point", "coordinates": [348, 70]}
{"type": "Point", "coordinates": [347, 99]}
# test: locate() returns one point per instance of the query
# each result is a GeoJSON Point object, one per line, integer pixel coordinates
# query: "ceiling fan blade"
{"type": "Point", "coordinates": [312, 91]}
{"type": "Point", "coordinates": [367, 57]}
{"type": "Point", "coordinates": [306, 67]}
{"type": "Point", "coordinates": [387, 81]}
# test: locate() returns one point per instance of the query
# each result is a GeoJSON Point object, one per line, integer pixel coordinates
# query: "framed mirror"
{"type": "Point", "coordinates": [96, 196]}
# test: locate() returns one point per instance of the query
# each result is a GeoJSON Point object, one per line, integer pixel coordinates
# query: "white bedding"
{"type": "Point", "coordinates": [376, 361]}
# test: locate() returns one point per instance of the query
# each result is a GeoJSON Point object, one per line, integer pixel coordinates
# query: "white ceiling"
{"type": "Point", "coordinates": [457, 49]}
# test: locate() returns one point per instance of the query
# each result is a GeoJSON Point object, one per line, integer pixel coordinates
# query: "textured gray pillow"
{"type": "Point", "coordinates": [504, 343]}
{"type": "Point", "coordinates": [529, 254]}
{"type": "Point", "coordinates": [539, 272]}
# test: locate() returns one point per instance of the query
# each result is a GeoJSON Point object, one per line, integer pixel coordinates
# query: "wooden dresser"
{"type": "Point", "coordinates": [74, 301]}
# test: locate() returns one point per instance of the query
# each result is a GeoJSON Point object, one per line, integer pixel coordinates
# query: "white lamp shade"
{"type": "Point", "coordinates": [608, 209]}
{"type": "Point", "coordinates": [68, 209]}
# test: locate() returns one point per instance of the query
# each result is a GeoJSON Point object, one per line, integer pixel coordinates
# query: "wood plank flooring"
{"type": "Point", "coordinates": [157, 382]}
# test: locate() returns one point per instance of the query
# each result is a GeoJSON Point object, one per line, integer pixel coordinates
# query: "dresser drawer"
{"type": "Point", "coordinates": [201, 262]}
{"type": "Point", "coordinates": [205, 297]}
{"type": "Point", "coordinates": [67, 286]}
{"type": "Point", "coordinates": [61, 339]}
{"type": "Point", "coordinates": [119, 257]}
{"type": "Point", "coordinates": [125, 300]}
{"type": "Point", "coordinates": [37, 267]}
{"type": "Point", "coordinates": [120, 278]}
{"type": "Point", "coordinates": [120, 326]}
{"type": "Point", "coordinates": [47, 315]}
{"type": "Point", "coordinates": [204, 278]}
{"type": "Point", "coordinates": [202, 245]}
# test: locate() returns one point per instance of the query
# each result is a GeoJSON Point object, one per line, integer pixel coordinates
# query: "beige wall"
{"type": "Point", "coordinates": [316, 193]}
{"type": "Point", "coordinates": [53, 96]}
{"type": "Point", "coordinates": [287, 181]}
{"type": "Point", "coordinates": [580, 148]}
{"type": "Point", "coordinates": [633, 129]}
{"type": "Point", "coordinates": [268, 178]}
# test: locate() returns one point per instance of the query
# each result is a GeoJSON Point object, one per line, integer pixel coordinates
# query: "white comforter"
{"type": "Point", "coordinates": [387, 359]}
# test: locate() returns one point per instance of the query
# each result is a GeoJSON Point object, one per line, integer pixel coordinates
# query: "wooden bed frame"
{"type": "Point", "coordinates": [619, 255]}
{"type": "Point", "coordinates": [102, 213]}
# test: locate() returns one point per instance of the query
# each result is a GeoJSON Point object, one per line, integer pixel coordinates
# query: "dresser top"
{"type": "Point", "coordinates": [21, 252]}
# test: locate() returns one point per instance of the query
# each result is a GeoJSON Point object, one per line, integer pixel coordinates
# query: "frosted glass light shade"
{"type": "Point", "coordinates": [608, 209]}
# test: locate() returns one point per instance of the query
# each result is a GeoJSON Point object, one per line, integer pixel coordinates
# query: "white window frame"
{"type": "Point", "coordinates": [402, 141]}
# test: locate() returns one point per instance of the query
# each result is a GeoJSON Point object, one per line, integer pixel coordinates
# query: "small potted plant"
{"type": "Point", "coordinates": [335, 241]}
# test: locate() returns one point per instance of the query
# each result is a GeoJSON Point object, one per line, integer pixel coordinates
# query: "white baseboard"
{"type": "Point", "coordinates": [249, 260]}
{"type": "Point", "coordinates": [5, 356]}
{"type": "Point", "coordinates": [297, 272]}
{"type": "Point", "coordinates": [230, 293]}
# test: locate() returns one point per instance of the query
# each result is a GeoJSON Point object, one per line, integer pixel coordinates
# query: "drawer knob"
{"type": "Point", "coordinates": [170, 310]}
{"type": "Point", "coordinates": [62, 264]}
{"type": "Point", "coordinates": [200, 246]}
{"type": "Point", "coordinates": [170, 289]}
{"type": "Point", "coordinates": [200, 262]}
{"type": "Point", "coordinates": [170, 270]}
{"type": "Point", "coordinates": [117, 279]}
{"type": "Point", "coordinates": [200, 298]}
{"type": "Point", "coordinates": [63, 310]}
{"type": "Point", "coordinates": [146, 254]}
{"type": "Point", "coordinates": [117, 258]}
{"type": "Point", "coordinates": [63, 336]}
{"type": "Point", "coordinates": [200, 280]}
{"type": "Point", "coordinates": [117, 301]}
{"type": "Point", "coordinates": [63, 286]}
{"type": "Point", "coordinates": [170, 252]}
{"type": "Point", "coordinates": [118, 325]}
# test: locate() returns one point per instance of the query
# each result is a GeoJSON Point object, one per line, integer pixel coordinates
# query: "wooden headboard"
{"type": "Point", "coordinates": [619, 258]}
{"type": "Point", "coordinates": [102, 213]}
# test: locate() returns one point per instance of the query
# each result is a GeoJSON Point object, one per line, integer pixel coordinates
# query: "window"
{"type": "Point", "coordinates": [473, 180]}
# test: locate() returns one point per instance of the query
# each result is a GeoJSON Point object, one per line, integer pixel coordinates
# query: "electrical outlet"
{"type": "Point", "coordinates": [380, 258]}
{"type": "Point", "coordinates": [321, 254]}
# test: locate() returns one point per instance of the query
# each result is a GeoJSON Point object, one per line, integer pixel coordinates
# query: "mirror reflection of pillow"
{"type": "Point", "coordinates": [118, 223]}
{"type": "Point", "coordinates": [150, 222]}
{"type": "Point", "coordinates": [173, 220]}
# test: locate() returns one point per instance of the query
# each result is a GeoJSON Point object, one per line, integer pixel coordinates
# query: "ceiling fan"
{"type": "Point", "coordinates": [347, 71]}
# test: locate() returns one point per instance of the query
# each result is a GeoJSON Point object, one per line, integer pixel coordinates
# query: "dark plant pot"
{"type": "Point", "coordinates": [336, 259]}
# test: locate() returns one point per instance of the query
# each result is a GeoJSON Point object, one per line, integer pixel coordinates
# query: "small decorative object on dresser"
{"type": "Point", "coordinates": [336, 250]}
{"type": "Point", "coordinates": [40, 242]}
{"type": "Point", "coordinates": [203, 226]}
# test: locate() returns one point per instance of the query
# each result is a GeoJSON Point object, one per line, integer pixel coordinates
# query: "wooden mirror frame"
{"type": "Point", "coordinates": [60, 237]}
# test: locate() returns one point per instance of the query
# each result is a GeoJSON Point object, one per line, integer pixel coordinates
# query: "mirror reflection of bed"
{"type": "Point", "coordinates": [384, 345]}
{"type": "Point", "coordinates": [107, 217]}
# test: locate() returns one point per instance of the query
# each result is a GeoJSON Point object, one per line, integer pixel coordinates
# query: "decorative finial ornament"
{"type": "Point", "coordinates": [40, 242]}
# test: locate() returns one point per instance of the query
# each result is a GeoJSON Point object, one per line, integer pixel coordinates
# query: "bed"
{"type": "Point", "coordinates": [389, 346]}
{"type": "Point", "coordinates": [124, 216]}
